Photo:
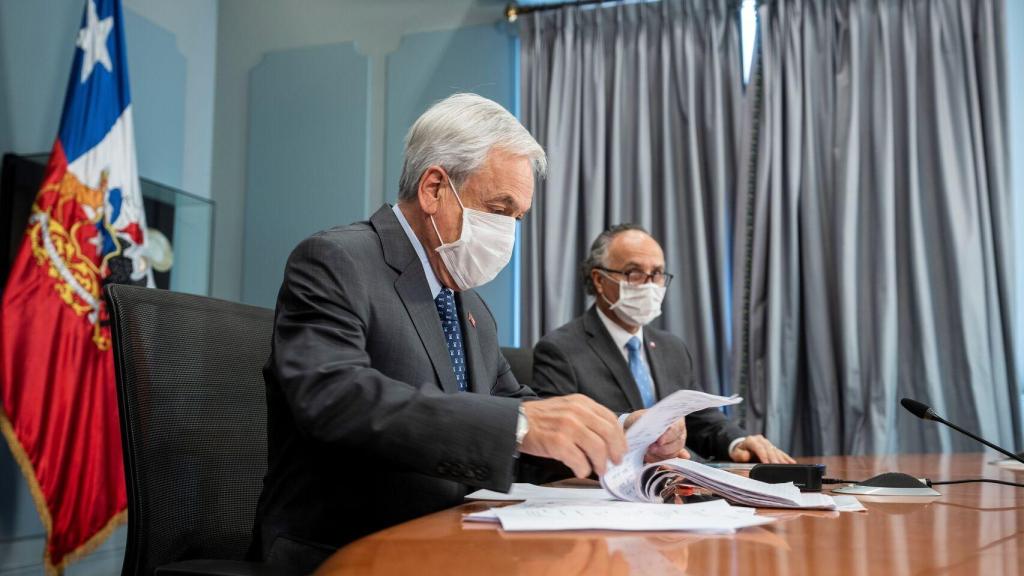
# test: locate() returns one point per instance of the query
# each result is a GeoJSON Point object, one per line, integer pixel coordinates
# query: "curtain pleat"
{"type": "Point", "coordinates": [638, 106]}
{"type": "Point", "coordinates": [881, 249]}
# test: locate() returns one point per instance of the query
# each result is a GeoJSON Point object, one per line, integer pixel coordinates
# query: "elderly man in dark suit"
{"type": "Point", "coordinates": [388, 396]}
{"type": "Point", "coordinates": [612, 356]}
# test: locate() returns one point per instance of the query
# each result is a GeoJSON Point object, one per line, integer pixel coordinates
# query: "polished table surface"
{"type": "Point", "coordinates": [970, 529]}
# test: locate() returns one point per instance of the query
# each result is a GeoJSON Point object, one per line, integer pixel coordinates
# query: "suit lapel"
{"type": "Point", "coordinates": [414, 292]}
{"type": "Point", "coordinates": [601, 342]}
{"type": "Point", "coordinates": [471, 341]}
{"type": "Point", "coordinates": [659, 371]}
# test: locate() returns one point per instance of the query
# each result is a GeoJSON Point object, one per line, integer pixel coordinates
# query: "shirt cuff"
{"type": "Point", "coordinates": [522, 428]}
{"type": "Point", "coordinates": [734, 444]}
{"type": "Point", "coordinates": [622, 420]}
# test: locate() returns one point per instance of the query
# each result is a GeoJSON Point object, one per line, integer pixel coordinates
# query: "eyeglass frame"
{"type": "Point", "coordinates": [646, 277]}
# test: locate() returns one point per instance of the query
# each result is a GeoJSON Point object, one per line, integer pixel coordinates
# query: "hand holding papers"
{"type": "Point", "coordinates": [640, 485]}
{"type": "Point", "coordinates": [633, 481]}
{"type": "Point", "coordinates": [622, 480]}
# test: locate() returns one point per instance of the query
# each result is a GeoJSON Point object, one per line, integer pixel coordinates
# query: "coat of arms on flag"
{"type": "Point", "coordinates": [59, 405]}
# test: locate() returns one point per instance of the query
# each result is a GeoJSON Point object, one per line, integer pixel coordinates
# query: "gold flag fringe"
{"type": "Point", "coordinates": [90, 545]}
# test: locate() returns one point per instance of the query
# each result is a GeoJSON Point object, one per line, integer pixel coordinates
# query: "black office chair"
{"type": "Point", "coordinates": [521, 361]}
{"type": "Point", "coordinates": [193, 428]}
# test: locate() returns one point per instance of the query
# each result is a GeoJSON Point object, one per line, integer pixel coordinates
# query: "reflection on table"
{"type": "Point", "coordinates": [970, 529]}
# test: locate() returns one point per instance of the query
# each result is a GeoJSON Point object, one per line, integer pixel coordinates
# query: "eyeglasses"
{"type": "Point", "coordinates": [640, 277]}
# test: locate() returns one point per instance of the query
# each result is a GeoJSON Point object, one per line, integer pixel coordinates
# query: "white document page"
{"type": "Point", "coordinates": [621, 480]}
{"type": "Point", "coordinates": [845, 503]}
{"type": "Point", "coordinates": [713, 517]}
{"type": "Point", "coordinates": [522, 491]}
{"type": "Point", "coordinates": [735, 487]}
{"type": "Point", "coordinates": [488, 515]}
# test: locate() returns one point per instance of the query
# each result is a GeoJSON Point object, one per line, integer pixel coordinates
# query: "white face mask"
{"type": "Point", "coordinates": [638, 304]}
{"type": "Point", "coordinates": [483, 249]}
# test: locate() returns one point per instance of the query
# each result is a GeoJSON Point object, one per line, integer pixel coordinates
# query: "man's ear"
{"type": "Point", "coordinates": [595, 280]}
{"type": "Point", "coordinates": [429, 191]}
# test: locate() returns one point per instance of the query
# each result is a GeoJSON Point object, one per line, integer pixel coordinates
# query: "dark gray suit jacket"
{"type": "Point", "coordinates": [581, 357]}
{"type": "Point", "coordinates": [366, 425]}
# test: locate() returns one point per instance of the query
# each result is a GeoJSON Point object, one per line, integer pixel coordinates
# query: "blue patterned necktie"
{"type": "Point", "coordinates": [445, 302]}
{"type": "Point", "coordinates": [641, 375]}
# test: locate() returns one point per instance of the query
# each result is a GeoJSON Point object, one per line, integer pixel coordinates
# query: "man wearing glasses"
{"type": "Point", "coordinates": [611, 355]}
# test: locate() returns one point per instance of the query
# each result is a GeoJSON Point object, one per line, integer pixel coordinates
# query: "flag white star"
{"type": "Point", "coordinates": [93, 41]}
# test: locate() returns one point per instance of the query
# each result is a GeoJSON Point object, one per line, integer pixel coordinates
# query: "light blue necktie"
{"type": "Point", "coordinates": [445, 303]}
{"type": "Point", "coordinates": [641, 375]}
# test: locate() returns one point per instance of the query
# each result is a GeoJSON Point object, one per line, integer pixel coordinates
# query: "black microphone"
{"type": "Point", "coordinates": [919, 409]}
{"type": "Point", "coordinates": [925, 412]}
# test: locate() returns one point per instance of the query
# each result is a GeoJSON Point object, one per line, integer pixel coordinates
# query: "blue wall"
{"type": "Point", "coordinates": [32, 87]}
{"type": "Point", "coordinates": [307, 160]}
{"type": "Point", "coordinates": [309, 143]}
{"type": "Point", "coordinates": [36, 46]}
{"type": "Point", "coordinates": [157, 73]}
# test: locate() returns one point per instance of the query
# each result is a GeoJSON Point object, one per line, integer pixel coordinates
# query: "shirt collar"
{"type": "Point", "coordinates": [432, 281]}
{"type": "Point", "coordinates": [619, 334]}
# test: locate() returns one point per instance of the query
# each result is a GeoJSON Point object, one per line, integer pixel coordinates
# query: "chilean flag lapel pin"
{"type": "Point", "coordinates": [472, 320]}
{"type": "Point", "coordinates": [651, 344]}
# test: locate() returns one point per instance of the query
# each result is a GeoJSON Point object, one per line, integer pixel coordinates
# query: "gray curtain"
{"type": "Point", "coordinates": [637, 106]}
{"type": "Point", "coordinates": [874, 254]}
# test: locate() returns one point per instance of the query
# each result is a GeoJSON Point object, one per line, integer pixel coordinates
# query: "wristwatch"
{"type": "Point", "coordinates": [522, 427]}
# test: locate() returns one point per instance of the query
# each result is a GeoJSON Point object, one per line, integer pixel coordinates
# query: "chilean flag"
{"type": "Point", "coordinates": [87, 229]}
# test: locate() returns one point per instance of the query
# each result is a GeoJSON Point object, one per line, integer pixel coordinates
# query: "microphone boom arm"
{"type": "Point", "coordinates": [924, 412]}
{"type": "Point", "coordinates": [938, 418]}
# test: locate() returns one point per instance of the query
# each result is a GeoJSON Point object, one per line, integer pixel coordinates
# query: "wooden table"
{"type": "Point", "coordinates": [970, 529]}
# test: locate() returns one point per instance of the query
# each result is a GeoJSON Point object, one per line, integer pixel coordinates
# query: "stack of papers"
{"type": "Point", "coordinates": [533, 492]}
{"type": "Point", "coordinates": [715, 517]}
{"type": "Point", "coordinates": [635, 482]}
{"type": "Point", "coordinates": [623, 480]}
{"type": "Point", "coordinates": [632, 494]}
{"type": "Point", "coordinates": [739, 489]}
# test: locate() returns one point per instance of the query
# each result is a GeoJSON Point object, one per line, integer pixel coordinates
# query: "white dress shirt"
{"type": "Point", "coordinates": [432, 281]}
{"type": "Point", "coordinates": [621, 336]}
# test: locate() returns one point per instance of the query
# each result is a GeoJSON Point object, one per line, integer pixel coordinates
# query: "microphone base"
{"type": "Point", "coordinates": [890, 484]}
{"type": "Point", "coordinates": [1008, 464]}
{"type": "Point", "coordinates": [861, 490]}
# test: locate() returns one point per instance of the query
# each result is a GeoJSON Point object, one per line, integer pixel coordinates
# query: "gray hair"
{"type": "Point", "coordinates": [456, 134]}
{"type": "Point", "coordinates": [598, 256]}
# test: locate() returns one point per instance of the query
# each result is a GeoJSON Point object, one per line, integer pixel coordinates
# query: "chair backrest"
{"type": "Point", "coordinates": [521, 361]}
{"type": "Point", "coordinates": [193, 422]}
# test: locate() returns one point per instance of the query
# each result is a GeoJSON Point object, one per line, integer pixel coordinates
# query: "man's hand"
{"type": "Point", "coordinates": [574, 430]}
{"type": "Point", "coordinates": [671, 444]}
{"type": "Point", "coordinates": [757, 446]}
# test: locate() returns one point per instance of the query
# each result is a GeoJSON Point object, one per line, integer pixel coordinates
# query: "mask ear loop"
{"type": "Point", "coordinates": [461, 205]}
{"type": "Point", "coordinates": [456, 192]}
{"type": "Point", "coordinates": [605, 298]}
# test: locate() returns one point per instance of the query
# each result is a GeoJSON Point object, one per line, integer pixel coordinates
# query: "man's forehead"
{"type": "Point", "coordinates": [634, 246]}
{"type": "Point", "coordinates": [511, 186]}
